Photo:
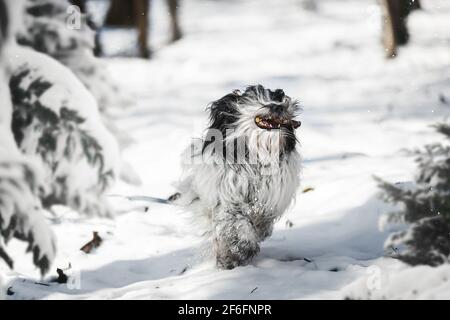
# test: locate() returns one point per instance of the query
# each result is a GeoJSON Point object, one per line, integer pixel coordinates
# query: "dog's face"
{"type": "Point", "coordinates": [259, 115]}
{"type": "Point", "coordinates": [274, 110]}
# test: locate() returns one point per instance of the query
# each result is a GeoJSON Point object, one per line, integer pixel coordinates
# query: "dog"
{"type": "Point", "coordinates": [244, 174]}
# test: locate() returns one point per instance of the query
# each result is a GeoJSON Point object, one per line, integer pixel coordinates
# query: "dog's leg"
{"type": "Point", "coordinates": [264, 229]}
{"type": "Point", "coordinates": [235, 241]}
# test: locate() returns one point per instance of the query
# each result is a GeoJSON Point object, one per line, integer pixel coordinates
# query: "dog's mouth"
{"type": "Point", "coordinates": [275, 122]}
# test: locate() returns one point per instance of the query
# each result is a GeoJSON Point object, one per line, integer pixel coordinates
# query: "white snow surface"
{"type": "Point", "coordinates": [360, 112]}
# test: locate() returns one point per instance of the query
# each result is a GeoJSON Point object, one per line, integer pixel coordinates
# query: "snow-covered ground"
{"type": "Point", "coordinates": [360, 112]}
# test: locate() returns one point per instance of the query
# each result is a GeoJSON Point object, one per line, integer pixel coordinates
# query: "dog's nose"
{"type": "Point", "coordinates": [276, 108]}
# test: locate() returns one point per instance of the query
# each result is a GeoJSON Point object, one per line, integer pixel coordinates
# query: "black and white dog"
{"type": "Point", "coordinates": [243, 176]}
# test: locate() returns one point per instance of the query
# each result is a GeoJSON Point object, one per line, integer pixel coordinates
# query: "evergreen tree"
{"type": "Point", "coordinates": [20, 209]}
{"type": "Point", "coordinates": [55, 28]}
{"type": "Point", "coordinates": [56, 121]}
{"type": "Point", "coordinates": [426, 207]}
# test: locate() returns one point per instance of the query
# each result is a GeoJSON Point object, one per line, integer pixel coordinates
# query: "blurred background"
{"type": "Point", "coordinates": [372, 78]}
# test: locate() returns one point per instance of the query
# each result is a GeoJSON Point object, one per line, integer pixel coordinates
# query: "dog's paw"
{"type": "Point", "coordinates": [239, 255]}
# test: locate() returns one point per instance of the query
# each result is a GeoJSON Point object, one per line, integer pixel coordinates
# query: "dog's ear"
{"type": "Point", "coordinates": [224, 112]}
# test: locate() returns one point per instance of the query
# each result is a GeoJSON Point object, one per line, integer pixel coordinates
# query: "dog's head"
{"type": "Point", "coordinates": [259, 115]}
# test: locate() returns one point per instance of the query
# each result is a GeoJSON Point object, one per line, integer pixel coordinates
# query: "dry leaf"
{"type": "Point", "coordinates": [309, 189]}
{"type": "Point", "coordinates": [62, 277]}
{"type": "Point", "coordinates": [94, 243]}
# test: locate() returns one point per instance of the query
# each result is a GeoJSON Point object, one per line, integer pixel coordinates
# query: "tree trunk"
{"type": "Point", "coordinates": [4, 23]}
{"type": "Point", "coordinates": [141, 11]}
{"type": "Point", "coordinates": [121, 14]}
{"type": "Point", "coordinates": [174, 21]}
{"type": "Point", "coordinates": [135, 14]}
{"type": "Point", "coordinates": [131, 14]}
{"type": "Point", "coordinates": [395, 30]}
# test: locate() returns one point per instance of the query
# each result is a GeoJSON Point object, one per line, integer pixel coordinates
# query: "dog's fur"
{"type": "Point", "coordinates": [240, 198]}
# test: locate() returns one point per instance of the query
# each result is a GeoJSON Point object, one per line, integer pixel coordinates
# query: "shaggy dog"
{"type": "Point", "coordinates": [245, 173]}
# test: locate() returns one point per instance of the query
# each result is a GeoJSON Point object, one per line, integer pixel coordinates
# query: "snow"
{"type": "Point", "coordinates": [386, 281]}
{"type": "Point", "coordinates": [360, 113]}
